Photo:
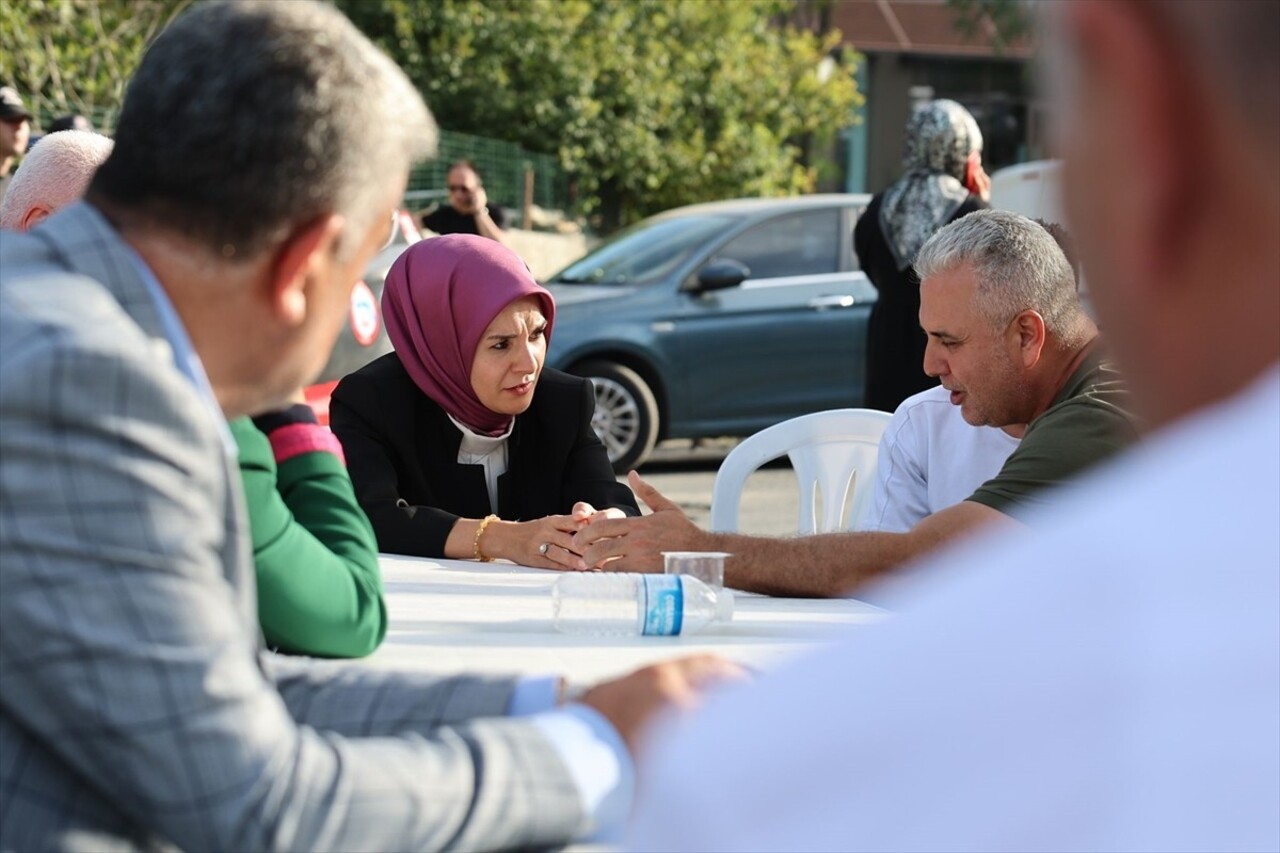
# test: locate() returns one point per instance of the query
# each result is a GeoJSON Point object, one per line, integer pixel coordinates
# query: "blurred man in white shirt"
{"type": "Point", "coordinates": [1110, 678]}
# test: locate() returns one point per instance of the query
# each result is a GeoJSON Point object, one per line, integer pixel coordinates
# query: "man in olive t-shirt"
{"type": "Point", "coordinates": [1009, 340]}
{"type": "Point", "coordinates": [1085, 422]}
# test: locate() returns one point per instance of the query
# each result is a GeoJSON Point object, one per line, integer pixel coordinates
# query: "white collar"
{"type": "Point", "coordinates": [476, 444]}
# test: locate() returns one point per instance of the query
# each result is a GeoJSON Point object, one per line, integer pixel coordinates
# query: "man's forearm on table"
{"type": "Point", "coordinates": [823, 565]}
{"type": "Point", "coordinates": [832, 564]}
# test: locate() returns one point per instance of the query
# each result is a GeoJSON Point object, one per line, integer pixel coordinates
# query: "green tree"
{"type": "Point", "coordinates": [77, 55]}
{"type": "Point", "coordinates": [648, 103]}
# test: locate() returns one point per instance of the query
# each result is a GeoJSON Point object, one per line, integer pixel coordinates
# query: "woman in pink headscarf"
{"type": "Point", "coordinates": [460, 443]}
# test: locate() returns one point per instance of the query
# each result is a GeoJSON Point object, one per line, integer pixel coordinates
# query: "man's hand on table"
{"type": "Point", "coordinates": [545, 543]}
{"type": "Point", "coordinates": [636, 544]}
{"type": "Point", "coordinates": [630, 703]}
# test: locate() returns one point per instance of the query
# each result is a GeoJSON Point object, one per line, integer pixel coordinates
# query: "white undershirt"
{"type": "Point", "coordinates": [487, 450]}
{"type": "Point", "coordinates": [931, 459]}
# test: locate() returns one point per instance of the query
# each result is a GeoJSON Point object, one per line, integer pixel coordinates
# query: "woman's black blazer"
{"type": "Point", "coordinates": [402, 452]}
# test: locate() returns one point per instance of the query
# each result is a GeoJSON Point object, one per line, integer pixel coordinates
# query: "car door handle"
{"type": "Point", "coordinates": [839, 300]}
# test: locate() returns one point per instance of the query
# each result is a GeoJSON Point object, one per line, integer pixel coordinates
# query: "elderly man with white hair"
{"type": "Point", "coordinates": [55, 173]}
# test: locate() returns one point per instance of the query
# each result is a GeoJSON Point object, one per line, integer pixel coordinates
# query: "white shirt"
{"type": "Point", "coordinates": [1106, 679]}
{"type": "Point", "coordinates": [931, 458]}
{"type": "Point", "coordinates": [487, 450]}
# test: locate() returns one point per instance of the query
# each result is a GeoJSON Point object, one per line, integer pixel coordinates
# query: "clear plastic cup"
{"type": "Point", "coordinates": [706, 566]}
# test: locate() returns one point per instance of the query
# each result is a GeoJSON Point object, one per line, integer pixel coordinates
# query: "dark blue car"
{"type": "Point", "coordinates": [716, 320]}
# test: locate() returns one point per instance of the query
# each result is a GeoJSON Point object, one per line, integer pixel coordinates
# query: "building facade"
{"type": "Point", "coordinates": [915, 50]}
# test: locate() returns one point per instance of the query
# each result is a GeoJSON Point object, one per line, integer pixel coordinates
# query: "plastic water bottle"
{"type": "Point", "coordinates": [617, 604]}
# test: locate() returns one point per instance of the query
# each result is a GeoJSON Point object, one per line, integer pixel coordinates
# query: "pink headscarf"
{"type": "Point", "coordinates": [440, 296]}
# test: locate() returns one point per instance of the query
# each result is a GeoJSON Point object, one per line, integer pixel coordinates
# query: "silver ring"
{"type": "Point", "coordinates": [542, 549]}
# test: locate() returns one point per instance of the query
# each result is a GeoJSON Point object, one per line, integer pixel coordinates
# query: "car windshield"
{"type": "Point", "coordinates": [644, 252]}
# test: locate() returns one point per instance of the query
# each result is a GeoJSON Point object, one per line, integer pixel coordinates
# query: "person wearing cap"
{"type": "Point", "coordinates": [15, 131]}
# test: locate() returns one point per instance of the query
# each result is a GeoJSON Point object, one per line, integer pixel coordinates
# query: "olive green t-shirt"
{"type": "Point", "coordinates": [1086, 423]}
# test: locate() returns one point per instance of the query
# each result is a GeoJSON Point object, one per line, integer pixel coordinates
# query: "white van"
{"type": "Point", "coordinates": [1035, 189]}
{"type": "Point", "coordinates": [1032, 189]}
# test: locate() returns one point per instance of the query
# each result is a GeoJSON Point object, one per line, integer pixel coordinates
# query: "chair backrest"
{"type": "Point", "coordinates": [833, 453]}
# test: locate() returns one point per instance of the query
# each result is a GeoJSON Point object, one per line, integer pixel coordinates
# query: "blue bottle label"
{"type": "Point", "coordinates": [664, 605]}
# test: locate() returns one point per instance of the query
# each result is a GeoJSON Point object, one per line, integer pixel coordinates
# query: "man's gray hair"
{"type": "Point", "coordinates": [247, 118]}
{"type": "Point", "coordinates": [1019, 265]}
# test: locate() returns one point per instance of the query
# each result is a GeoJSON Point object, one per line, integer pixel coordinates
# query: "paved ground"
{"type": "Point", "coordinates": [684, 473]}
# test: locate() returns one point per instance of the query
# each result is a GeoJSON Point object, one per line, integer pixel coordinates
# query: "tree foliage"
{"type": "Point", "coordinates": [69, 56]}
{"type": "Point", "coordinates": [648, 103]}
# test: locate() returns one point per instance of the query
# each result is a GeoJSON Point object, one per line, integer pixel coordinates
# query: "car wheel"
{"type": "Point", "coordinates": [626, 417]}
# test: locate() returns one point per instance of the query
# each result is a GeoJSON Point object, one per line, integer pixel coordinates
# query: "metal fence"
{"type": "Point", "coordinates": [502, 166]}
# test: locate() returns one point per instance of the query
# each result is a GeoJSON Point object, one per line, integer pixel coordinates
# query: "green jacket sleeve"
{"type": "Point", "coordinates": [319, 587]}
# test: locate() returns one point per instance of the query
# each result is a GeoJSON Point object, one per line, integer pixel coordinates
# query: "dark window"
{"type": "Point", "coordinates": [644, 252]}
{"type": "Point", "coordinates": [797, 244]}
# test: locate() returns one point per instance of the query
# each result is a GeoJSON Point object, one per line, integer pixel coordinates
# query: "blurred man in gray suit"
{"type": "Point", "coordinates": [205, 278]}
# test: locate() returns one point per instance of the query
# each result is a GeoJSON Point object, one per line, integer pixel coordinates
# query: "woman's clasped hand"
{"type": "Point", "coordinates": [544, 543]}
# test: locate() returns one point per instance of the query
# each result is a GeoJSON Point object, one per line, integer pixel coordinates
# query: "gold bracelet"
{"type": "Point", "coordinates": [477, 553]}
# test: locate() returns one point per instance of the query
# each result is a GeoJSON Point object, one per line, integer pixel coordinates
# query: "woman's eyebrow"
{"type": "Point", "coordinates": [540, 323]}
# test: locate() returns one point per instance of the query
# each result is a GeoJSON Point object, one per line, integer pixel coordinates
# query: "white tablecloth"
{"type": "Point", "coordinates": [452, 616]}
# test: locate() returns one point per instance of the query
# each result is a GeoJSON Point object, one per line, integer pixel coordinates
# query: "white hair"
{"type": "Point", "coordinates": [54, 173]}
{"type": "Point", "coordinates": [1019, 265]}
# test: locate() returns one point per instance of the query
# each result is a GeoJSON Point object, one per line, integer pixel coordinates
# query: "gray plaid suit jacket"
{"type": "Point", "coordinates": [137, 709]}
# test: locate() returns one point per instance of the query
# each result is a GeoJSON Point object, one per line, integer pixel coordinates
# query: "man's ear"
{"type": "Point", "coordinates": [304, 254]}
{"type": "Point", "coordinates": [33, 217]}
{"type": "Point", "coordinates": [1029, 327]}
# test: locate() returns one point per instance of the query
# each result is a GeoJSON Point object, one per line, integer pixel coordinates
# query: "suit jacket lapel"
{"type": "Point", "coordinates": [437, 442]}
{"type": "Point", "coordinates": [510, 484]}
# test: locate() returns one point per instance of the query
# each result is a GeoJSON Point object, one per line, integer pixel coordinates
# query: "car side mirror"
{"type": "Point", "coordinates": [723, 273]}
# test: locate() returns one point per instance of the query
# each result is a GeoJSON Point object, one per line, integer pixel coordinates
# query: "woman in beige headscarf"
{"type": "Point", "coordinates": [943, 180]}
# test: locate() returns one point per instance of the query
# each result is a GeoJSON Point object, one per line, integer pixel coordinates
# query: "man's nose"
{"type": "Point", "coordinates": [934, 363]}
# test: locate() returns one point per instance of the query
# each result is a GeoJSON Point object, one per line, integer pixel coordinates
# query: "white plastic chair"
{"type": "Point", "coordinates": [833, 453]}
